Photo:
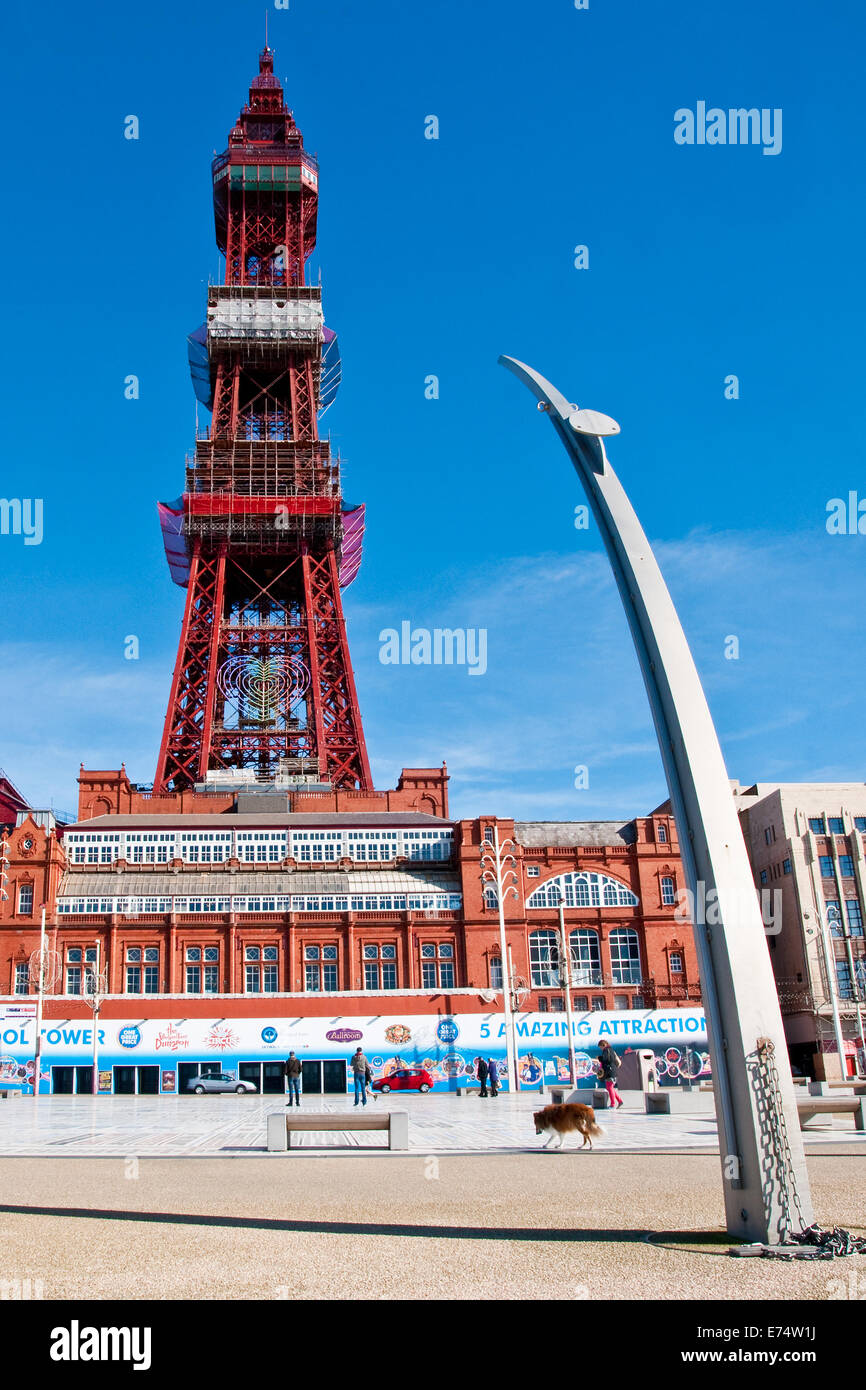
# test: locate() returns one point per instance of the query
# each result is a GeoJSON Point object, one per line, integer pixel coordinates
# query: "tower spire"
{"type": "Point", "coordinates": [263, 688]}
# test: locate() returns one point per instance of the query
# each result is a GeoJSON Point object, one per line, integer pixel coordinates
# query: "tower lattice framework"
{"type": "Point", "coordinates": [263, 682]}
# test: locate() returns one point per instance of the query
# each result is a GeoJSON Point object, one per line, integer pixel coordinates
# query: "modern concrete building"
{"type": "Point", "coordinates": [806, 845]}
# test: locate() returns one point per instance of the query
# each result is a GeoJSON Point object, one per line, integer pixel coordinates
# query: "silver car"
{"type": "Point", "coordinates": [219, 1081]}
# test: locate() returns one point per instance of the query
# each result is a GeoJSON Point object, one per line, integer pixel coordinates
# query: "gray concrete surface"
{"type": "Point", "coordinates": [387, 1226]}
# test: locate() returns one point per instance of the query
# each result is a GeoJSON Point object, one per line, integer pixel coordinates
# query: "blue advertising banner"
{"type": "Point", "coordinates": [447, 1046]}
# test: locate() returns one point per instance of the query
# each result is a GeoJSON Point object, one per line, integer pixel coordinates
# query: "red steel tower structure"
{"type": "Point", "coordinates": [263, 686]}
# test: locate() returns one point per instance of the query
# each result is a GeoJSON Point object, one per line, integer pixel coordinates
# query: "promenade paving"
{"type": "Point", "coordinates": [235, 1126]}
{"type": "Point", "coordinates": [418, 1227]}
{"type": "Point", "coordinates": [132, 1198]}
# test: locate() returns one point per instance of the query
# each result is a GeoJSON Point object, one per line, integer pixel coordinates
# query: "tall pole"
{"type": "Point", "coordinates": [855, 995]}
{"type": "Point", "coordinates": [763, 1163]}
{"type": "Point", "coordinates": [495, 874]}
{"type": "Point", "coordinates": [40, 993]}
{"type": "Point", "coordinates": [95, 1082]}
{"type": "Point", "coordinates": [565, 976]}
{"type": "Point", "coordinates": [515, 1007]}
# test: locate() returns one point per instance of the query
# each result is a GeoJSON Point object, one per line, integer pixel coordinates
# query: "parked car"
{"type": "Point", "coordinates": [219, 1081]}
{"type": "Point", "coordinates": [409, 1079]}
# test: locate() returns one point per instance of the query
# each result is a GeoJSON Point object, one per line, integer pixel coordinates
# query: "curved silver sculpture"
{"type": "Point", "coordinates": [763, 1165]}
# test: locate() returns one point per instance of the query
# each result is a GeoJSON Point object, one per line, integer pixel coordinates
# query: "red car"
{"type": "Point", "coordinates": [407, 1079]}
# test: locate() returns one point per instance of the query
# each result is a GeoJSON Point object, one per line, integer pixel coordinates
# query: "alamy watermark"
{"type": "Point", "coordinates": [846, 517]}
{"type": "Point", "coordinates": [21, 1289]}
{"type": "Point", "coordinates": [439, 646]}
{"type": "Point", "coordinates": [22, 516]}
{"type": "Point", "coordinates": [703, 909]}
{"type": "Point", "coordinates": [737, 126]}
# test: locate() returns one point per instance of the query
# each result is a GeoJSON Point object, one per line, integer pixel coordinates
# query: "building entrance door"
{"type": "Point", "coordinates": [187, 1071]}
{"type": "Point", "coordinates": [334, 1081]}
{"type": "Point", "coordinates": [134, 1081]}
{"type": "Point", "coordinates": [311, 1078]}
{"type": "Point", "coordinates": [124, 1081]}
{"type": "Point", "coordinates": [62, 1081]}
{"type": "Point", "coordinates": [269, 1078]}
{"type": "Point", "coordinates": [273, 1079]}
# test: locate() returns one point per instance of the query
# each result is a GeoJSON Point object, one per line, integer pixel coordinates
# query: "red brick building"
{"type": "Point", "coordinates": [259, 897]}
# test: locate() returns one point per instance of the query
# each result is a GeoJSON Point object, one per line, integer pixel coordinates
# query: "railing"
{"type": "Point", "coordinates": [590, 979]}
{"type": "Point", "coordinates": [265, 154]}
{"type": "Point", "coordinates": [534, 852]}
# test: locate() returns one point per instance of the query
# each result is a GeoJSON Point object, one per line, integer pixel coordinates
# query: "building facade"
{"type": "Point", "coordinates": [806, 845]}
{"type": "Point", "coordinates": [266, 910]}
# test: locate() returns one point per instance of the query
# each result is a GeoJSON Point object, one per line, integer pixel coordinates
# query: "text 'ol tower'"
{"type": "Point", "coordinates": [263, 689]}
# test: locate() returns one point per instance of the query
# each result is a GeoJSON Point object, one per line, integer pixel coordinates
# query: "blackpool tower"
{"type": "Point", "coordinates": [263, 689]}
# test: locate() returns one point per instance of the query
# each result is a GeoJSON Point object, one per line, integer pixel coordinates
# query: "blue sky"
{"type": "Point", "coordinates": [556, 129]}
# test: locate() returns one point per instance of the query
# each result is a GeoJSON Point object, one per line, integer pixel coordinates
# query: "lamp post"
{"type": "Point", "coordinates": [500, 875]}
{"type": "Point", "coordinates": [856, 993]}
{"type": "Point", "coordinates": [93, 991]}
{"type": "Point", "coordinates": [43, 971]}
{"type": "Point", "coordinates": [565, 978]}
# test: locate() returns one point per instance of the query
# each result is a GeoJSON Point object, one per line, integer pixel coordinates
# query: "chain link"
{"type": "Point", "coordinates": [776, 1131]}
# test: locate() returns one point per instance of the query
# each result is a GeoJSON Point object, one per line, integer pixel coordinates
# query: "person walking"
{"type": "Point", "coordinates": [481, 1073]}
{"type": "Point", "coordinates": [610, 1064]}
{"type": "Point", "coordinates": [293, 1076]}
{"type": "Point", "coordinates": [359, 1068]}
{"type": "Point", "coordinates": [493, 1076]}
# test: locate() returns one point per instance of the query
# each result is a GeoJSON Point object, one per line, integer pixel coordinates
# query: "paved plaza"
{"type": "Point", "coordinates": [234, 1126]}
{"type": "Point", "coordinates": [516, 1226]}
{"type": "Point", "coordinates": [131, 1198]}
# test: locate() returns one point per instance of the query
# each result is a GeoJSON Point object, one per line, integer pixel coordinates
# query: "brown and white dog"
{"type": "Point", "coordinates": [560, 1120]}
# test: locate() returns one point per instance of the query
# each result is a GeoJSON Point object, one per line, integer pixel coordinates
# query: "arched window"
{"type": "Point", "coordinates": [490, 898]}
{"type": "Point", "coordinates": [495, 972]}
{"type": "Point", "coordinates": [582, 890]}
{"type": "Point", "coordinates": [543, 959]}
{"type": "Point", "coordinates": [625, 956]}
{"type": "Point", "coordinates": [585, 957]}
{"type": "Point", "coordinates": [669, 896]}
{"type": "Point", "coordinates": [661, 834]}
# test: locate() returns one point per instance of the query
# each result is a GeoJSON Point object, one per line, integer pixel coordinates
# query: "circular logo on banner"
{"type": "Point", "coordinates": [129, 1037]}
{"type": "Point", "coordinates": [269, 1035]}
{"type": "Point", "coordinates": [447, 1030]}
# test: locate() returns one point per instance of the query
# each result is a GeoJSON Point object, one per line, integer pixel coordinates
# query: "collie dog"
{"type": "Point", "coordinates": [559, 1120]}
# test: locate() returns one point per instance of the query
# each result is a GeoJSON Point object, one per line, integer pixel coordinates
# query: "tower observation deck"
{"type": "Point", "coordinates": [263, 688]}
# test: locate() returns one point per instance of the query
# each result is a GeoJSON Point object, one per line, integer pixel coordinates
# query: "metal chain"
{"type": "Point", "coordinates": [820, 1244]}
{"type": "Point", "coordinates": [778, 1133]}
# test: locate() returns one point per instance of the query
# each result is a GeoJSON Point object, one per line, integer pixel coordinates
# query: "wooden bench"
{"type": "Point", "coordinates": [811, 1106]}
{"type": "Point", "coordinates": [281, 1126]}
{"type": "Point", "coordinates": [9, 1095]}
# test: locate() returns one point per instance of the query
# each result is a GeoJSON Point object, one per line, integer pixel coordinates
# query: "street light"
{"type": "Point", "coordinates": [565, 978]}
{"type": "Point", "coordinates": [43, 971]}
{"type": "Point", "coordinates": [502, 867]}
{"type": "Point", "coordinates": [94, 987]}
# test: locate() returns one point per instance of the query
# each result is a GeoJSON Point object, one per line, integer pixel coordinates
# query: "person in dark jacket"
{"type": "Point", "coordinates": [481, 1073]}
{"type": "Point", "coordinates": [493, 1076]}
{"type": "Point", "coordinates": [609, 1064]}
{"type": "Point", "coordinates": [359, 1071]}
{"type": "Point", "coordinates": [293, 1077]}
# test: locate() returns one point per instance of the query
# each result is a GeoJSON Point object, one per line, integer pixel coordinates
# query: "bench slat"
{"type": "Point", "coordinates": [830, 1105]}
{"type": "Point", "coordinates": [328, 1120]}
